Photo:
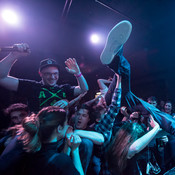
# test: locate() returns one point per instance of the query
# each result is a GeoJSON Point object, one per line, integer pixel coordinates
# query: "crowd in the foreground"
{"type": "Point", "coordinates": [114, 133]}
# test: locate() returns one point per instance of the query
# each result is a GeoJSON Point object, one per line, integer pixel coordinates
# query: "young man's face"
{"type": "Point", "coordinates": [18, 116]}
{"type": "Point", "coordinates": [49, 75]}
{"type": "Point", "coordinates": [168, 107]}
{"type": "Point", "coordinates": [82, 119]}
{"type": "Point", "coordinates": [152, 102]}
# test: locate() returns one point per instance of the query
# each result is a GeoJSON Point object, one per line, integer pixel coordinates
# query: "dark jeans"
{"type": "Point", "coordinates": [85, 149]}
{"type": "Point", "coordinates": [122, 67]}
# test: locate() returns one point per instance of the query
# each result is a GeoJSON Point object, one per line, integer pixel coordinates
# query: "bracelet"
{"type": "Point", "coordinates": [78, 75]}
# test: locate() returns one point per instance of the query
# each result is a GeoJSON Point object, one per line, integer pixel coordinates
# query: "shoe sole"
{"type": "Point", "coordinates": [116, 38]}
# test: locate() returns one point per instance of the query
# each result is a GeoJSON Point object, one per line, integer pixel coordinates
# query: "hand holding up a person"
{"type": "Point", "coordinates": [73, 141]}
{"type": "Point", "coordinates": [61, 103]}
{"type": "Point", "coordinates": [153, 123]}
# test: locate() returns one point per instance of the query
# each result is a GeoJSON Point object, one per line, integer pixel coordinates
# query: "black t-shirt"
{"type": "Point", "coordinates": [15, 161]}
{"type": "Point", "coordinates": [39, 95]}
{"type": "Point", "coordinates": [49, 162]}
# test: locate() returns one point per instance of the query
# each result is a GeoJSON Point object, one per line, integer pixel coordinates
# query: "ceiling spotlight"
{"type": "Point", "coordinates": [95, 38]}
{"type": "Point", "coordinates": [10, 17]}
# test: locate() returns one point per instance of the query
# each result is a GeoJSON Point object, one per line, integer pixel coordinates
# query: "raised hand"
{"type": "Point", "coordinates": [23, 50]}
{"type": "Point", "coordinates": [72, 66]}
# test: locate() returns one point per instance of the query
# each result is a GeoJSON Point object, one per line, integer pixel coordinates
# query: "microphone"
{"type": "Point", "coordinates": [11, 49]}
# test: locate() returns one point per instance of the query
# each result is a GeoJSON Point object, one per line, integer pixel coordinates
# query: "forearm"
{"type": "Point", "coordinates": [77, 161]}
{"type": "Point", "coordinates": [72, 102]}
{"type": "Point", "coordinates": [142, 142]}
{"type": "Point", "coordinates": [6, 64]}
{"type": "Point", "coordinates": [90, 102]}
{"type": "Point", "coordinates": [66, 150]}
{"type": "Point", "coordinates": [101, 83]}
{"type": "Point", "coordinates": [95, 137]}
{"type": "Point", "coordinates": [107, 122]}
{"type": "Point", "coordinates": [82, 84]}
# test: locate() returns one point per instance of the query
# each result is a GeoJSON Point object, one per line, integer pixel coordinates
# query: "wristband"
{"type": "Point", "coordinates": [78, 75]}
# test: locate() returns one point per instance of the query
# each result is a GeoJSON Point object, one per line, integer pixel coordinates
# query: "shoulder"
{"type": "Point", "coordinates": [65, 86]}
{"type": "Point", "coordinates": [32, 82]}
{"type": "Point", "coordinates": [59, 159]}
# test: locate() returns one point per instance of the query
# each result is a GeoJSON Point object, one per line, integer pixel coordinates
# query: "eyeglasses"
{"type": "Point", "coordinates": [48, 74]}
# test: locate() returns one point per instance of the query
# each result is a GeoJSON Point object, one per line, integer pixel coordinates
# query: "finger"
{"type": "Point", "coordinates": [72, 138]}
{"type": "Point", "coordinates": [67, 63]}
{"type": "Point", "coordinates": [57, 103]}
{"type": "Point", "coordinates": [62, 106]}
{"type": "Point", "coordinates": [68, 70]}
{"type": "Point", "coordinates": [74, 60]}
{"type": "Point", "coordinates": [69, 60]}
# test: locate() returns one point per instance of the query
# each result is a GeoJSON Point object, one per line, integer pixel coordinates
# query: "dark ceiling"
{"type": "Point", "coordinates": [52, 33]}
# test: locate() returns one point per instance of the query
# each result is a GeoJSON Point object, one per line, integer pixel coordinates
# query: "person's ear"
{"type": "Point", "coordinates": [40, 74]}
{"type": "Point", "coordinates": [59, 128]}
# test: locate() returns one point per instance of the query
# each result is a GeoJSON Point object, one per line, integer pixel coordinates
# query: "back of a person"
{"type": "Point", "coordinates": [48, 162]}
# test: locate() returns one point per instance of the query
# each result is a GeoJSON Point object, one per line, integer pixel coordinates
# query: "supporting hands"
{"type": "Point", "coordinates": [72, 66]}
{"type": "Point", "coordinates": [153, 123]}
{"type": "Point", "coordinates": [23, 50]}
{"type": "Point", "coordinates": [73, 141]}
{"type": "Point", "coordinates": [61, 103]}
{"type": "Point", "coordinates": [119, 78]}
{"type": "Point", "coordinates": [124, 111]}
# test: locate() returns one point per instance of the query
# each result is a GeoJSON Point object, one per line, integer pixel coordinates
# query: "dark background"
{"type": "Point", "coordinates": [52, 32]}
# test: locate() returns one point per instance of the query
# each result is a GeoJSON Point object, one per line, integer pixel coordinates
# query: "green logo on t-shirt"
{"type": "Point", "coordinates": [42, 95]}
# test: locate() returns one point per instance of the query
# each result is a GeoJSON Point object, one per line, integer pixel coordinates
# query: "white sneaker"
{"type": "Point", "coordinates": [115, 40]}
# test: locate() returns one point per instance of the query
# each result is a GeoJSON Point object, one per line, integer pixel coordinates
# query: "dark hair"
{"type": "Point", "coordinates": [89, 109]}
{"type": "Point", "coordinates": [96, 112]}
{"type": "Point", "coordinates": [118, 149]}
{"type": "Point", "coordinates": [152, 98]}
{"type": "Point", "coordinates": [38, 127]}
{"type": "Point", "coordinates": [169, 101]}
{"type": "Point", "coordinates": [16, 107]}
{"type": "Point", "coordinates": [84, 106]}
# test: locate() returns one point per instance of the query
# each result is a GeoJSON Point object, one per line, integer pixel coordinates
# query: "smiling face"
{"type": "Point", "coordinates": [82, 119]}
{"type": "Point", "coordinates": [49, 75]}
{"type": "Point", "coordinates": [168, 107]}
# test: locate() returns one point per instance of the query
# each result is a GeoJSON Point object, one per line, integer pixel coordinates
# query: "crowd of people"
{"type": "Point", "coordinates": [116, 133]}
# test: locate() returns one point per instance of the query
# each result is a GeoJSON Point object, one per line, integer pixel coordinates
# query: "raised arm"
{"type": "Point", "coordinates": [73, 68]}
{"type": "Point", "coordinates": [7, 81]}
{"type": "Point", "coordinates": [102, 83]}
{"type": "Point", "coordinates": [106, 124]}
{"type": "Point", "coordinates": [76, 100]}
{"type": "Point", "coordinates": [95, 137]}
{"type": "Point", "coordinates": [143, 141]}
{"type": "Point", "coordinates": [74, 142]}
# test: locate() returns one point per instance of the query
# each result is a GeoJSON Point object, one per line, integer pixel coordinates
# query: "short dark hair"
{"type": "Point", "coordinates": [89, 108]}
{"type": "Point", "coordinates": [16, 107]}
{"type": "Point", "coordinates": [152, 98]}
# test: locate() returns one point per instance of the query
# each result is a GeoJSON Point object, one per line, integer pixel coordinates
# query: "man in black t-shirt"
{"type": "Point", "coordinates": [46, 92]}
